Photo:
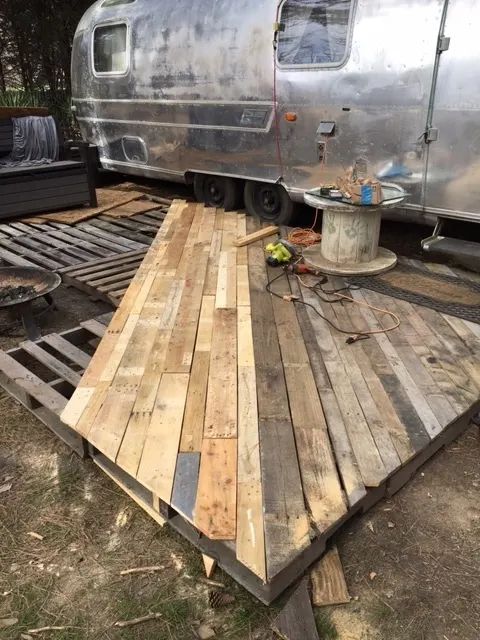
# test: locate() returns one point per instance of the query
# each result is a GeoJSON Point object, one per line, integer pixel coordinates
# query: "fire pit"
{"type": "Point", "coordinates": [20, 286]}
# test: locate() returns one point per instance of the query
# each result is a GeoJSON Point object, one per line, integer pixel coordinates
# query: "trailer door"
{"type": "Point", "coordinates": [453, 167]}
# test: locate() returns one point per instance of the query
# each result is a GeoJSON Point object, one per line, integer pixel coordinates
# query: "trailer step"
{"type": "Point", "coordinates": [464, 252]}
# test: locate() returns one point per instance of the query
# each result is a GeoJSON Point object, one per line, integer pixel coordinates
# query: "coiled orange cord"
{"type": "Point", "coordinates": [305, 237]}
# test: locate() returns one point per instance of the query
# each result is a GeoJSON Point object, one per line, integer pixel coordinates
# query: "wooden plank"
{"type": "Point", "coordinates": [13, 259]}
{"type": "Point", "coordinates": [88, 398]}
{"type": "Point", "coordinates": [221, 406]}
{"type": "Point", "coordinates": [70, 351]}
{"type": "Point", "coordinates": [69, 236]}
{"type": "Point", "coordinates": [417, 398]}
{"type": "Point", "coordinates": [108, 428]}
{"type": "Point", "coordinates": [52, 363]}
{"type": "Point", "coordinates": [159, 458]}
{"type": "Point", "coordinates": [250, 536]}
{"type": "Point", "coordinates": [215, 507]}
{"type": "Point", "coordinates": [400, 417]}
{"type": "Point", "coordinates": [63, 257]}
{"type": "Point", "coordinates": [185, 484]}
{"type": "Point", "coordinates": [321, 484]}
{"type": "Point", "coordinates": [226, 297]}
{"type": "Point", "coordinates": [286, 523]}
{"type": "Point", "coordinates": [131, 447]}
{"type": "Point", "coordinates": [328, 581]}
{"type": "Point", "coordinates": [9, 230]}
{"type": "Point", "coordinates": [133, 225]}
{"type": "Point", "coordinates": [214, 256]}
{"type": "Point", "coordinates": [68, 248]}
{"type": "Point", "coordinates": [102, 283]}
{"type": "Point", "coordinates": [97, 328]}
{"type": "Point", "coordinates": [242, 252]}
{"type": "Point", "coordinates": [96, 265]}
{"type": "Point", "coordinates": [111, 237]}
{"type": "Point", "coordinates": [243, 287]}
{"type": "Point", "coordinates": [116, 230]}
{"type": "Point", "coordinates": [256, 235]}
{"type": "Point", "coordinates": [192, 431]}
{"type": "Point", "coordinates": [115, 341]}
{"type": "Point", "coordinates": [96, 241]}
{"type": "Point", "coordinates": [182, 343]}
{"type": "Point", "coordinates": [296, 620]}
{"type": "Point", "coordinates": [33, 256]}
{"type": "Point", "coordinates": [367, 455]}
{"type": "Point", "coordinates": [419, 373]}
{"type": "Point", "coordinates": [32, 384]}
{"type": "Point", "coordinates": [366, 399]}
{"type": "Point", "coordinates": [345, 458]}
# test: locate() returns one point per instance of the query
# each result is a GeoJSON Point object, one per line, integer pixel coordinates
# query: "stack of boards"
{"type": "Point", "coordinates": [250, 415]}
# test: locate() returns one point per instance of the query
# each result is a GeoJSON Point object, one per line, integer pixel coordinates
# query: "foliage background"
{"type": "Point", "coordinates": [35, 47]}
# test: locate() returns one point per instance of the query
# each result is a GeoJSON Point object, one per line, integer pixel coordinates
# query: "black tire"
{"type": "Point", "coordinates": [218, 191]}
{"type": "Point", "coordinates": [269, 202]}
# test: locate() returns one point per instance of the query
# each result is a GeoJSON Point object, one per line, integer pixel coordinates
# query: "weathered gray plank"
{"type": "Point", "coordinates": [296, 620]}
{"type": "Point", "coordinates": [185, 484]}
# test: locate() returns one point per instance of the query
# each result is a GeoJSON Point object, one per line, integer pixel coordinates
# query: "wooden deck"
{"type": "Point", "coordinates": [250, 416]}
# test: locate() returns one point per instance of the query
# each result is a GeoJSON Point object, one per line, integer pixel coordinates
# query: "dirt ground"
{"type": "Point", "coordinates": [412, 564]}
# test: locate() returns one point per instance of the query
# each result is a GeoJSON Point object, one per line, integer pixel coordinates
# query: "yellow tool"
{"type": "Point", "coordinates": [280, 252]}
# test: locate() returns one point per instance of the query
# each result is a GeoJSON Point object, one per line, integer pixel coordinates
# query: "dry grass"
{"type": "Point", "coordinates": [91, 532]}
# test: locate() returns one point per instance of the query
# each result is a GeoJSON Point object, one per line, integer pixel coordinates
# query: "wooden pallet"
{"type": "Point", "coordinates": [105, 279]}
{"type": "Point", "coordinates": [43, 375]}
{"type": "Point", "coordinates": [55, 246]}
{"type": "Point", "coordinates": [252, 420]}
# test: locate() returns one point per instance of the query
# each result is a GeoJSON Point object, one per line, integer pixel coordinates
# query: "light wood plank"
{"type": "Point", "coordinates": [328, 581]}
{"type": "Point", "coordinates": [132, 444]}
{"type": "Point", "coordinates": [215, 507]}
{"type": "Point", "coordinates": [250, 535]}
{"type": "Point", "coordinates": [256, 235]}
{"type": "Point", "coordinates": [107, 352]}
{"type": "Point", "coordinates": [227, 281]}
{"type": "Point", "coordinates": [181, 347]}
{"type": "Point", "coordinates": [221, 406]}
{"type": "Point", "coordinates": [159, 457]}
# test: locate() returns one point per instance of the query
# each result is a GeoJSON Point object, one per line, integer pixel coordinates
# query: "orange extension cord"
{"type": "Point", "coordinates": [356, 332]}
{"type": "Point", "coordinates": [305, 237]}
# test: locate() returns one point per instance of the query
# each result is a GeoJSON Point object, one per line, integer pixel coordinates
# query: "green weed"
{"type": "Point", "coordinates": [326, 628]}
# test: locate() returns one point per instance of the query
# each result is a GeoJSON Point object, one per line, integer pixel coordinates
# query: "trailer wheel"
{"type": "Point", "coordinates": [269, 202]}
{"type": "Point", "coordinates": [218, 191]}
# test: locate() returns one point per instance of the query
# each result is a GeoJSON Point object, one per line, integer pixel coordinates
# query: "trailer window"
{"type": "Point", "coordinates": [314, 32]}
{"type": "Point", "coordinates": [110, 49]}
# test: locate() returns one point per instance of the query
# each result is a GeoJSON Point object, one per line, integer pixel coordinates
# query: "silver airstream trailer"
{"type": "Point", "coordinates": [263, 100]}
